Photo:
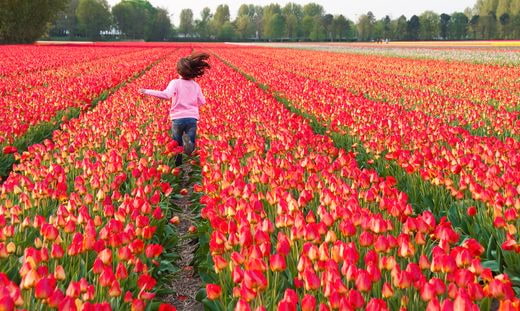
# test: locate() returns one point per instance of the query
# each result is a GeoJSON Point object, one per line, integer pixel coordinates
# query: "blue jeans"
{"type": "Point", "coordinates": [180, 127]}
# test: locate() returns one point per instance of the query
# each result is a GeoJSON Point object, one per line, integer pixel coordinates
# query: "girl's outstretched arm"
{"type": "Point", "coordinates": [166, 94]}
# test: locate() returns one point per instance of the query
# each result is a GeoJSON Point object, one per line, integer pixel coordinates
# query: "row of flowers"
{"type": "Point", "coordinates": [487, 54]}
{"type": "Point", "coordinates": [296, 224]}
{"type": "Point", "coordinates": [30, 103]}
{"type": "Point", "coordinates": [31, 60]}
{"type": "Point", "coordinates": [482, 98]}
{"type": "Point", "coordinates": [484, 169]}
{"type": "Point", "coordinates": [84, 216]}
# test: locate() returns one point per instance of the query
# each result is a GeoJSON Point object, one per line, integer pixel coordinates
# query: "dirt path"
{"type": "Point", "coordinates": [187, 282]}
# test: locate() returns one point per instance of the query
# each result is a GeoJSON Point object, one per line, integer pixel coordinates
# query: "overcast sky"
{"type": "Point", "coordinates": [350, 8]}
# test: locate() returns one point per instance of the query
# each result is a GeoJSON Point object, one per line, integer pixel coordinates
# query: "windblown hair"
{"type": "Point", "coordinates": [193, 66]}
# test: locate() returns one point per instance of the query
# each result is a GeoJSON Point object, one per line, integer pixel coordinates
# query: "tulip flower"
{"type": "Point", "coordinates": [277, 263]}
{"type": "Point", "coordinates": [213, 291]}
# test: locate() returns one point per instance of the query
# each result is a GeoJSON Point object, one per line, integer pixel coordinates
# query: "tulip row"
{"type": "Point", "coordinates": [75, 86]}
{"type": "Point", "coordinates": [457, 93]}
{"type": "Point", "coordinates": [84, 216]}
{"type": "Point", "coordinates": [24, 59]}
{"type": "Point", "coordinates": [295, 223]}
{"type": "Point", "coordinates": [485, 55]}
{"type": "Point", "coordinates": [484, 169]}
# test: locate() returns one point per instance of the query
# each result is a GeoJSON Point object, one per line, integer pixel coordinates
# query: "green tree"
{"type": "Point", "coordinates": [271, 21]}
{"type": "Point", "coordinates": [503, 7]}
{"type": "Point", "coordinates": [326, 21]}
{"type": "Point", "coordinates": [202, 25]}
{"type": "Point", "coordinates": [94, 16]}
{"type": "Point", "coordinates": [227, 32]}
{"type": "Point", "coordinates": [458, 26]}
{"type": "Point", "coordinates": [401, 28]}
{"type": "Point", "coordinates": [307, 26]}
{"type": "Point", "coordinates": [186, 22]}
{"type": "Point", "coordinates": [318, 32]}
{"type": "Point", "coordinates": [313, 9]}
{"type": "Point", "coordinates": [387, 27]}
{"type": "Point", "coordinates": [25, 21]}
{"type": "Point", "coordinates": [340, 27]}
{"type": "Point", "coordinates": [475, 26]}
{"type": "Point", "coordinates": [444, 23]}
{"type": "Point", "coordinates": [365, 26]}
{"type": "Point", "coordinates": [430, 26]}
{"type": "Point", "coordinates": [132, 18]}
{"type": "Point", "coordinates": [221, 17]}
{"type": "Point", "coordinates": [505, 20]}
{"type": "Point", "coordinates": [413, 27]}
{"type": "Point", "coordinates": [276, 26]}
{"type": "Point", "coordinates": [66, 24]}
{"type": "Point", "coordinates": [160, 26]}
{"type": "Point", "coordinates": [293, 14]}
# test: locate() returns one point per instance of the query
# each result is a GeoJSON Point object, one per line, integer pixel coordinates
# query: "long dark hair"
{"type": "Point", "coordinates": [193, 66]}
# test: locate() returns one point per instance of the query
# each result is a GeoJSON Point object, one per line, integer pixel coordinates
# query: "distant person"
{"type": "Point", "coordinates": [187, 97]}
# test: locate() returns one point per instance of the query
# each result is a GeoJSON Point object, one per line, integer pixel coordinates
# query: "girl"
{"type": "Point", "coordinates": [186, 98]}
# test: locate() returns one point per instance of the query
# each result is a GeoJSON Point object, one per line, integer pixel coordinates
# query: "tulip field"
{"type": "Point", "coordinates": [321, 181]}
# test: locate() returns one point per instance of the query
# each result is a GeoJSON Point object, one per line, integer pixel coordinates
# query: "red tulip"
{"type": "Point", "coordinates": [277, 263]}
{"type": "Point", "coordinates": [308, 303]}
{"type": "Point", "coordinates": [213, 291]}
{"type": "Point", "coordinates": [10, 150]}
{"type": "Point", "coordinates": [166, 307]}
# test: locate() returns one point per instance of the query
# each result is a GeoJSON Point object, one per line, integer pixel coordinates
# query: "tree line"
{"type": "Point", "coordinates": [28, 20]}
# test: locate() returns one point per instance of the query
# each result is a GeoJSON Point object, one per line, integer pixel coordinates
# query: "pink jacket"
{"type": "Point", "coordinates": [186, 98]}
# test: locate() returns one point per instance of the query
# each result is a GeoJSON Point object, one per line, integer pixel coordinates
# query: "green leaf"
{"type": "Point", "coordinates": [201, 294]}
{"type": "Point", "coordinates": [491, 264]}
{"type": "Point", "coordinates": [210, 305]}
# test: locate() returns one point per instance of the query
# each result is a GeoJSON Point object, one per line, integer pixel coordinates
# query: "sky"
{"type": "Point", "coordinates": [350, 8]}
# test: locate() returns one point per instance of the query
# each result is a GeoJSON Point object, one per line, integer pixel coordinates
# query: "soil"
{"type": "Point", "coordinates": [186, 283]}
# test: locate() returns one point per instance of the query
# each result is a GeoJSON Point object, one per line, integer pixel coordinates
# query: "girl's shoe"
{"type": "Point", "coordinates": [188, 144]}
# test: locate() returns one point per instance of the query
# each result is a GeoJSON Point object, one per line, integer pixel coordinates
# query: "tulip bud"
{"type": "Point", "coordinates": [308, 303]}
{"type": "Point", "coordinates": [213, 291]}
{"type": "Point", "coordinates": [277, 263]}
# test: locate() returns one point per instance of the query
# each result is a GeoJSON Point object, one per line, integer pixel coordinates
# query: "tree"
{"type": "Point", "coordinates": [219, 19]}
{"type": "Point", "coordinates": [227, 32]}
{"type": "Point", "coordinates": [429, 25]}
{"type": "Point", "coordinates": [413, 28]}
{"type": "Point", "coordinates": [365, 26]}
{"type": "Point", "coordinates": [293, 14]}
{"type": "Point", "coordinates": [160, 26]}
{"type": "Point", "coordinates": [327, 25]}
{"type": "Point", "coordinates": [505, 20]}
{"type": "Point", "coordinates": [276, 26]}
{"type": "Point", "coordinates": [387, 27]}
{"type": "Point", "coordinates": [340, 27]}
{"type": "Point", "coordinates": [24, 21]}
{"type": "Point", "coordinates": [488, 26]}
{"type": "Point", "coordinates": [401, 28]}
{"type": "Point", "coordinates": [313, 9]}
{"type": "Point", "coordinates": [221, 14]}
{"type": "Point", "coordinates": [307, 25]}
{"type": "Point", "coordinates": [132, 18]}
{"type": "Point", "coordinates": [202, 26]}
{"type": "Point", "coordinates": [273, 21]}
{"type": "Point", "coordinates": [94, 16]}
{"type": "Point", "coordinates": [186, 22]}
{"type": "Point", "coordinates": [318, 30]}
{"type": "Point", "coordinates": [445, 20]}
{"type": "Point", "coordinates": [66, 23]}
{"type": "Point", "coordinates": [243, 25]}
{"type": "Point", "coordinates": [458, 26]}
{"type": "Point", "coordinates": [474, 25]}
{"type": "Point", "coordinates": [503, 7]}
